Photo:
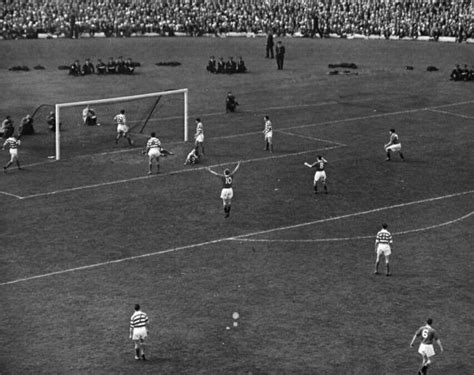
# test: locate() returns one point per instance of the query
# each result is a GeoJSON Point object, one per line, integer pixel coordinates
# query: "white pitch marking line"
{"type": "Point", "coordinates": [78, 188]}
{"type": "Point", "coordinates": [451, 113]}
{"type": "Point", "coordinates": [352, 215]}
{"type": "Point", "coordinates": [359, 237]}
{"type": "Point", "coordinates": [10, 194]}
{"type": "Point", "coordinates": [219, 240]}
{"type": "Point", "coordinates": [311, 138]}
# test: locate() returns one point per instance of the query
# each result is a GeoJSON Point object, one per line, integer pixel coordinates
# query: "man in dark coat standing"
{"type": "Point", "coordinates": [280, 55]}
{"type": "Point", "coordinates": [269, 45]}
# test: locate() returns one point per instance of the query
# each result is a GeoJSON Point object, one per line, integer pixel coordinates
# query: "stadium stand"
{"type": "Point", "coordinates": [427, 19]}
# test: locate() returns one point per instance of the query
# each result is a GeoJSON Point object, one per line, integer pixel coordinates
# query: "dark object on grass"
{"type": "Point", "coordinates": [39, 67]}
{"type": "Point", "coordinates": [333, 72]}
{"type": "Point", "coordinates": [63, 67]}
{"type": "Point", "coordinates": [432, 68]}
{"type": "Point", "coordinates": [408, 67]}
{"type": "Point", "coordinates": [343, 65]}
{"type": "Point", "coordinates": [135, 64]}
{"type": "Point", "coordinates": [168, 63]}
{"type": "Point", "coordinates": [19, 68]}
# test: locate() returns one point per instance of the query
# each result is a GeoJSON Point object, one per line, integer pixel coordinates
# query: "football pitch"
{"type": "Point", "coordinates": [85, 238]}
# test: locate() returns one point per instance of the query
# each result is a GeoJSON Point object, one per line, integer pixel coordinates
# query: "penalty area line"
{"type": "Point", "coordinates": [219, 240]}
{"type": "Point", "coordinates": [417, 230]}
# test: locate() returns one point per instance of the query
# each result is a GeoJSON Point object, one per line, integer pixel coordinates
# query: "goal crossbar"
{"type": "Point", "coordinates": [59, 106]}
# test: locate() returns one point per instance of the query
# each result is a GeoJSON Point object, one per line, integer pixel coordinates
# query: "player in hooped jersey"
{"type": "Point", "coordinates": [428, 336]}
{"type": "Point", "coordinates": [227, 192]}
{"type": "Point", "coordinates": [139, 331]}
{"type": "Point", "coordinates": [153, 147]}
{"type": "Point", "coordinates": [12, 143]}
{"type": "Point", "coordinates": [122, 127]}
{"type": "Point", "coordinates": [268, 134]}
{"type": "Point", "coordinates": [320, 175]}
{"type": "Point", "coordinates": [383, 242]}
{"type": "Point", "coordinates": [393, 145]}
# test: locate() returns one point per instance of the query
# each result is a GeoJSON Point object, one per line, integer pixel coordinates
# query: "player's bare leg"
{"type": "Point", "coordinates": [377, 261]}
{"type": "Point", "coordinates": [401, 156]}
{"type": "Point", "coordinates": [388, 156]}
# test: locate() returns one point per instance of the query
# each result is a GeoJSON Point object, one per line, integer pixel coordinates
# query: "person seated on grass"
{"type": "Point", "coordinates": [111, 66]}
{"type": "Point", "coordinates": [89, 117]}
{"type": "Point", "coordinates": [26, 126]}
{"type": "Point", "coordinates": [75, 69]}
{"type": "Point", "coordinates": [101, 67]}
{"type": "Point", "coordinates": [456, 73]}
{"type": "Point", "coordinates": [88, 67]}
{"type": "Point", "coordinates": [230, 102]}
{"type": "Point", "coordinates": [129, 67]}
{"type": "Point", "coordinates": [241, 68]}
{"type": "Point", "coordinates": [231, 66]}
{"type": "Point", "coordinates": [220, 65]}
{"type": "Point", "coordinates": [211, 65]}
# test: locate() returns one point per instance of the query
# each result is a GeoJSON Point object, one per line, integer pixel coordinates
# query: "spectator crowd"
{"type": "Point", "coordinates": [307, 18]}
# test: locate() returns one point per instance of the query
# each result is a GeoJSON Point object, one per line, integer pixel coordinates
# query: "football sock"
{"type": "Point", "coordinates": [401, 156]}
{"type": "Point", "coordinates": [388, 269]}
{"type": "Point", "coordinates": [137, 352]}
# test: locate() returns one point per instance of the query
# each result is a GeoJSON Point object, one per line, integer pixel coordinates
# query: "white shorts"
{"type": "Point", "coordinates": [122, 129]}
{"type": "Point", "coordinates": [269, 136]}
{"type": "Point", "coordinates": [426, 349]}
{"type": "Point", "coordinates": [320, 175]}
{"type": "Point", "coordinates": [394, 148]}
{"type": "Point", "coordinates": [200, 138]}
{"type": "Point", "coordinates": [384, 249]}
{"type": "Point", "coordinates": [154, 153]}
{"type": "Point", "coordinates": [139, 333]}
{"type": "Point", "coordinates": [227, 193]}
{"type": "Point", "coordinates": [13, 154]}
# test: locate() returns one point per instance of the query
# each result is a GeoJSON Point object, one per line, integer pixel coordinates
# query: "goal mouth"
{"type": "Point", "coordinates": [74, 134]}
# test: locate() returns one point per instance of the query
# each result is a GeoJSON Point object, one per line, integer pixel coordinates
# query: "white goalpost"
{"type": "Point", "coordinates": [144, 106]}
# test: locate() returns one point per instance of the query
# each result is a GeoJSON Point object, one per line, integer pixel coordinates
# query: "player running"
{"type": "Point", "coordinates": [320, 175]}
{"type": "Point", "coordinates": [393, 145]}
{"type": "Point", "coordinates": [12, 143]}
{"type": "Point", "coordinates": [227, 192]}
{"type": "Point", "coordinates": [122, 127]}
{"type": "Point", "coordinates": [428, 336]}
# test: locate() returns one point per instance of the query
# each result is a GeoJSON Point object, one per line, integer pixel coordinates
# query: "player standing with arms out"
{"type": "Point", "coordinates": [153, 147]}
{"type": "Point", "coordinates": [199, 137]}
{"type": "Point", "coordinates": [428, 336]}
{"type": "Point", "coordinates": [139, 331]}
{"type": "Point", "coordinates": [382, 247]}
{"type": "Point", "coordinates": [320, 174]}
{"type": "Point", "coordinates": [268, 133]}
{"type": "Point", "coordinates": [227, 192]}
{"type": "Point", "coordinates": [12, 144]}
{"type": "Point", "coordinates": [122, 128]}
{"type": "Point", "coordinates": [393, 145]}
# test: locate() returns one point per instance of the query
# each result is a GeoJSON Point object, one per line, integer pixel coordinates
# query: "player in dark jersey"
{"type": "Point", "coordinates": [428, 337]}
{"type": "Point", "coordinates": [320, 175]}
{"type": "Point", "coordinates": [227, 192]}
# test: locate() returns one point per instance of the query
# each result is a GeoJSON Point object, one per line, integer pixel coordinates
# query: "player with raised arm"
{"type": "Point", "coordinates": [12, 143]}
{"type": "Point", "coordinates": [320, 175]}
{"type": "Point", "coordinates": [268, 134]}
{"type": "Point", "coordinates": [428, 337]}
{"type": "Point", "coordinates": [393, 145]}
{"type": "Point", "coordinates": [122, 127]}
{"type": "Point", "coordinates": [227, 192]}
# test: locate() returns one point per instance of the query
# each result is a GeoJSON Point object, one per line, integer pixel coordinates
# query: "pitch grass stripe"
{"type": "Point", "coordinates": [79, 188]}
{"type": "Point", "coordinates": [352, 215]}
{"type": "Point", "coordinates": [219, 240]}
{"type": "Point", "coordinates": [359, 237]}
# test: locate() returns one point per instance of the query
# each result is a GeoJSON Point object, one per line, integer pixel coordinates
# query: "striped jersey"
{"type": "Point", "coordinates": [12, 142]}
{"type": "Point", "coordinates": [268, 127]}
{"type": "Point", "coordinates": [153, 142]}
{"type": "Point", "coordinates": [427, 334]}
{"type": "Point", "coordinates": [138, 319]}
{"type": "Point", "coordinates": [383, 236]}
{"type": "Point", "coordinates": [120, 119]}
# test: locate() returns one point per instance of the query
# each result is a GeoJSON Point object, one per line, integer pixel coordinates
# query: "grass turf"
{"type": "Point", "coordinates": [308, 304]}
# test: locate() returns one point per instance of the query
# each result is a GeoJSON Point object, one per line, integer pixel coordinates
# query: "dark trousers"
{"type": "Point", "coordinates": [279, 60]}
{"type": "Point", "coordinates": [269, 51]}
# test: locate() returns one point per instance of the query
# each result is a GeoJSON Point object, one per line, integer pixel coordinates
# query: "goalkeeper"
{"type": "Point", "coordinates": [89, 117]}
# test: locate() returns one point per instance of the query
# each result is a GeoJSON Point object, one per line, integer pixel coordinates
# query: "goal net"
{"type": "Point", "coordinates": [165, 113]}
